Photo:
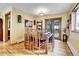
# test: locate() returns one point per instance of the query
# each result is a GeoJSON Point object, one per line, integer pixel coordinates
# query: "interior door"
{"type": "Point", "coordinates": [57, 28]}
{"type": "Point", "coordinates": [1, 30]}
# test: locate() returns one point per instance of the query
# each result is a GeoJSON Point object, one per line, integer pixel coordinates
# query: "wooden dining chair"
{"type": "Point", "coordinates": [26, 40]}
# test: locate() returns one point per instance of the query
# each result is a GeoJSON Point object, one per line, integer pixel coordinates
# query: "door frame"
{"type": "Point", "coordinates": [6, 26]}
{"type": "Point", "coordinates": [58, 18]}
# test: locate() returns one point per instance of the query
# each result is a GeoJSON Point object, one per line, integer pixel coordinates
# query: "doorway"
{"type": "Point", "coordinates": [1, 30]}
{"type": "Point", "coordinates": [7, 27]}
{"type": "Point", "coordinates": [54, 26]}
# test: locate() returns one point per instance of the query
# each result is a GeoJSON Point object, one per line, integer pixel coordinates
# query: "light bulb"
{"type": "Point", "coordinates": [41, 14]}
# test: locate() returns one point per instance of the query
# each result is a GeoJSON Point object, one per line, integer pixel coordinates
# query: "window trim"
{"type": "Point", "coordinates": [74, 11]}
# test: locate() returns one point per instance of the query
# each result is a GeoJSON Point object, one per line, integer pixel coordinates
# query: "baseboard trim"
{"type": "Point", "coordinates": [73, 50]}
{"type": "Point", "coordinates": [17, 43]}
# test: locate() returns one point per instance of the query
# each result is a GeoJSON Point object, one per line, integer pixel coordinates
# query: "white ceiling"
{"type": "Point", "coordinates": [35, 8]}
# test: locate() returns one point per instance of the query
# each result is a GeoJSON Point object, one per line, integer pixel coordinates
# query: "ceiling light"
{"type": "Point", "coordinates": [41, 11]}
{"type": "Point", "coordinates": [41, 14]}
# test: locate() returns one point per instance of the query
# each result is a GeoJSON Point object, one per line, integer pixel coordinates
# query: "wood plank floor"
{"type": "Point", "coordinates": [60, 49]}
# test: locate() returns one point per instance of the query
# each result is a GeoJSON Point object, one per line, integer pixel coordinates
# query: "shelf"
{"type": "Point", "coordinates": [39, 25]}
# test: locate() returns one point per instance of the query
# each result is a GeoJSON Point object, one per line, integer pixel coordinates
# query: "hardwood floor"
{"type": "Point", "coordinates": [17, 49]}
{"type": "Point", "coordinates": [60, 49]}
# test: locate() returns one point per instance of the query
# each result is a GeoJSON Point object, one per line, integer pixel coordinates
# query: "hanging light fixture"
{"type": "Point", "coordinates": [41, 13]}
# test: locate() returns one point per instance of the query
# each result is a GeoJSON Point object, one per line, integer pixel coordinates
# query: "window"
{"type": "Point", "coordinates": [75, 19]}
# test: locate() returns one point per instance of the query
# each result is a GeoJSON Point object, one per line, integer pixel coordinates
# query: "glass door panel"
{"type": "Point", "coordinates": [48, 26]}
{"type": "Point", "coordinates": [56, 28]}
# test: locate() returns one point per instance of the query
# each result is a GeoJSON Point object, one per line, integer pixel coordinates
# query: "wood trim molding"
{"type": "Point", "coordinates": [73, 50]}
{"type": "Point", "coordinates": [6, 25]}
{"type": "Point", "coordinates": [75, 7]}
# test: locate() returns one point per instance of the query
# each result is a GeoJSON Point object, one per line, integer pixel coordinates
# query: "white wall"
{"type": "Point", "coordinates": [18, 28]}
{"type": "Point", "coordinates": [9, 9]}
{"type": "Point", "coordinates": [73, 40]}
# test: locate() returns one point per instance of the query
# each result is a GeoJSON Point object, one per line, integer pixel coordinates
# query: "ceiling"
{"type": "Point", "coordinates": [35, 8]}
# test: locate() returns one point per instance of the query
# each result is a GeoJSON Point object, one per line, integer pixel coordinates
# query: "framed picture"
{"type": "Point", "coordinates": [28, 23]}
{"type": "Point", "coordinates": [19, 18]}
